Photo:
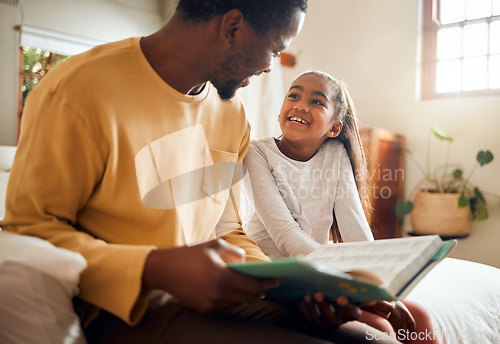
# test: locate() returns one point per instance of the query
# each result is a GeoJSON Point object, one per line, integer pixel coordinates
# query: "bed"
{"type": "Point", "coordinates": [463, 299]}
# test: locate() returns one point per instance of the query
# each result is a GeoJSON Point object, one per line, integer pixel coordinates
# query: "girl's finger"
{"type": "Point", "coordinates": [328, 312]}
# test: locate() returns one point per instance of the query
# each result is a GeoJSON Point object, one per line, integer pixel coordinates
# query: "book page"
{"type": "Point", "coordinates": [394, 261]}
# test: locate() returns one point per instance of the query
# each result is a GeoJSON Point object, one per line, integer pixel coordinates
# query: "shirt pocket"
{"type": "Point", "coordinates": [219, 173]}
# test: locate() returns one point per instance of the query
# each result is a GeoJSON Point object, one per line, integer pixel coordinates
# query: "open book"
{"type": "Point", "coordinates": [363, 271]}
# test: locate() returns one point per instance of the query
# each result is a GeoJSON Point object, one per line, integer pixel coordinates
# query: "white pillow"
{"type": "Point", "coordinates": [37, 284]}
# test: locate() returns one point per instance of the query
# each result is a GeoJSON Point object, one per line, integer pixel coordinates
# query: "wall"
{"type": "Point", "coordinates": [370, 44]}
{"type": "Point", "coordinates": [102, 20]}
{"type": "Point", "coordinates": [373, 46]}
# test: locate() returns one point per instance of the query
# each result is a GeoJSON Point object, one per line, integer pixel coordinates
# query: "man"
{"type": "Point", "coordinates": [128, 154]}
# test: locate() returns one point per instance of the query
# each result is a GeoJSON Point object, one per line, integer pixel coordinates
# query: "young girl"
{"type": "Point", "coordinates": [312, 185]}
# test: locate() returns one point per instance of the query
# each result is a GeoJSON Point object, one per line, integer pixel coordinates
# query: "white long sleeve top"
{"type": "Point", "coordinates": [289, 204]}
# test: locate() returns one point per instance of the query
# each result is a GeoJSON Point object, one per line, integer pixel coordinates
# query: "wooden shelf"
{"type": "Point", "coordinates": [385, 156]}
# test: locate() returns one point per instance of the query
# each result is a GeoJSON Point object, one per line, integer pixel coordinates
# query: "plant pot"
{"type": "Point", "coordinates": [438, 213]}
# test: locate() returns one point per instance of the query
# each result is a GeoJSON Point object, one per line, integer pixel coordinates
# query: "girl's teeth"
{"type": "Point", "coordinates": [295, 119]}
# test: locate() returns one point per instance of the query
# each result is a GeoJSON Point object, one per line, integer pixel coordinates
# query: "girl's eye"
{"type": "Point", "coordinates": [293, 96]}
{"type": "Point", "coordinates": [317, 102]}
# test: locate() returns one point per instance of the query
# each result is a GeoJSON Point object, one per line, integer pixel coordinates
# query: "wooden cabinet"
{"type": "Point", "coordinates": [385, 155]}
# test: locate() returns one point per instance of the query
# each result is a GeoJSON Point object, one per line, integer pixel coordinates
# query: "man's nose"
{"type": "Point", "coordinates": [270, 67]}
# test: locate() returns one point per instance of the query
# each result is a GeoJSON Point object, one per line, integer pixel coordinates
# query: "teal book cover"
{"type": "Point", "coordinates": [299, 277]}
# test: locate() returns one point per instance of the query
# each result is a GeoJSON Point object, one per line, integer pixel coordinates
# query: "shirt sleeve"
{"type": "Point", "coordinates": [229, 229]}
{"type": "Point", "coordinates": [57, 168]}
{"type": "Point", "coordinates": [348, 209]}
{"type": "Point", "coordinates": [265, 198]}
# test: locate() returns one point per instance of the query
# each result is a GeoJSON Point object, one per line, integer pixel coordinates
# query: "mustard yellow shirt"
{"type": "Point", "coordinates": [113, 162]}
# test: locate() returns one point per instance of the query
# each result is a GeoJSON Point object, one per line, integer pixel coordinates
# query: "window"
{"type": "Point", "coordinates": [36, 63]}
{"type": "Point", "coordinates": [461, 48]}
{"type": "Point", "coordinates": [40, 51]}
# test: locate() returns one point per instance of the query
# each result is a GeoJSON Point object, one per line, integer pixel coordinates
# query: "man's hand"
{"type": "Point", "coordinates": [198, 276]}
{"type": "Point", "coordinates": [319, 311]}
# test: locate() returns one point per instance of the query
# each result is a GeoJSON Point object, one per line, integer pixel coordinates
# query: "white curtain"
{"type": "Point", "coordinates": [55, 42]}
{"type": "Point", "coordinates": [262, 99]}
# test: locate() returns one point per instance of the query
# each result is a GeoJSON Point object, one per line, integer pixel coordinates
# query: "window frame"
{"type": "Point", "coordinates": [429, 56]}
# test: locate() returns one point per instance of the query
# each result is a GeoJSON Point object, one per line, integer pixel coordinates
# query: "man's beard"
{"type": "Point", "coordinates": [232, 66]}
{"type": "Point", "coordinates": [227, 90]}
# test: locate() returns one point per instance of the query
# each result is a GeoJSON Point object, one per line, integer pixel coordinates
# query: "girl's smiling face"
{"type": "Point", "coordinates": [307, 113]}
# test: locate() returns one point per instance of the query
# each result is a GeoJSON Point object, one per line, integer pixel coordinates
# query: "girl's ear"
{"type": "Point", "coordinates": [335, 130]}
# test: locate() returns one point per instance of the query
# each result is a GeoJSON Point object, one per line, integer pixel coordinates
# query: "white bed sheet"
{"type": "Point", "coordinates": [463, 299]}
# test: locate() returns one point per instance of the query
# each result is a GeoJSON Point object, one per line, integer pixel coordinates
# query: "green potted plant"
{"type": "Point", "coordinates": [445, 200]}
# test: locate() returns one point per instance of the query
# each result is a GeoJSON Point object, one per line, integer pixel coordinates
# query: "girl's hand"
{"type": "Point", "coordinates": [401, 318]}
{"type": "Point", "coordinates": [380, 308]}
{"type": "Point", "coordinates": [321, 312]}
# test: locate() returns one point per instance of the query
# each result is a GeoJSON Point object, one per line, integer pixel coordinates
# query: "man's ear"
{"type": "Point", "coordinates": [335, 129]}
{"type": "Point", "coordinates": [231, 22]}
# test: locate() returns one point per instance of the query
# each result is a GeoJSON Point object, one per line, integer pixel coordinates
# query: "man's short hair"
{"type": "Point", "coordinates": [263, 15]}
